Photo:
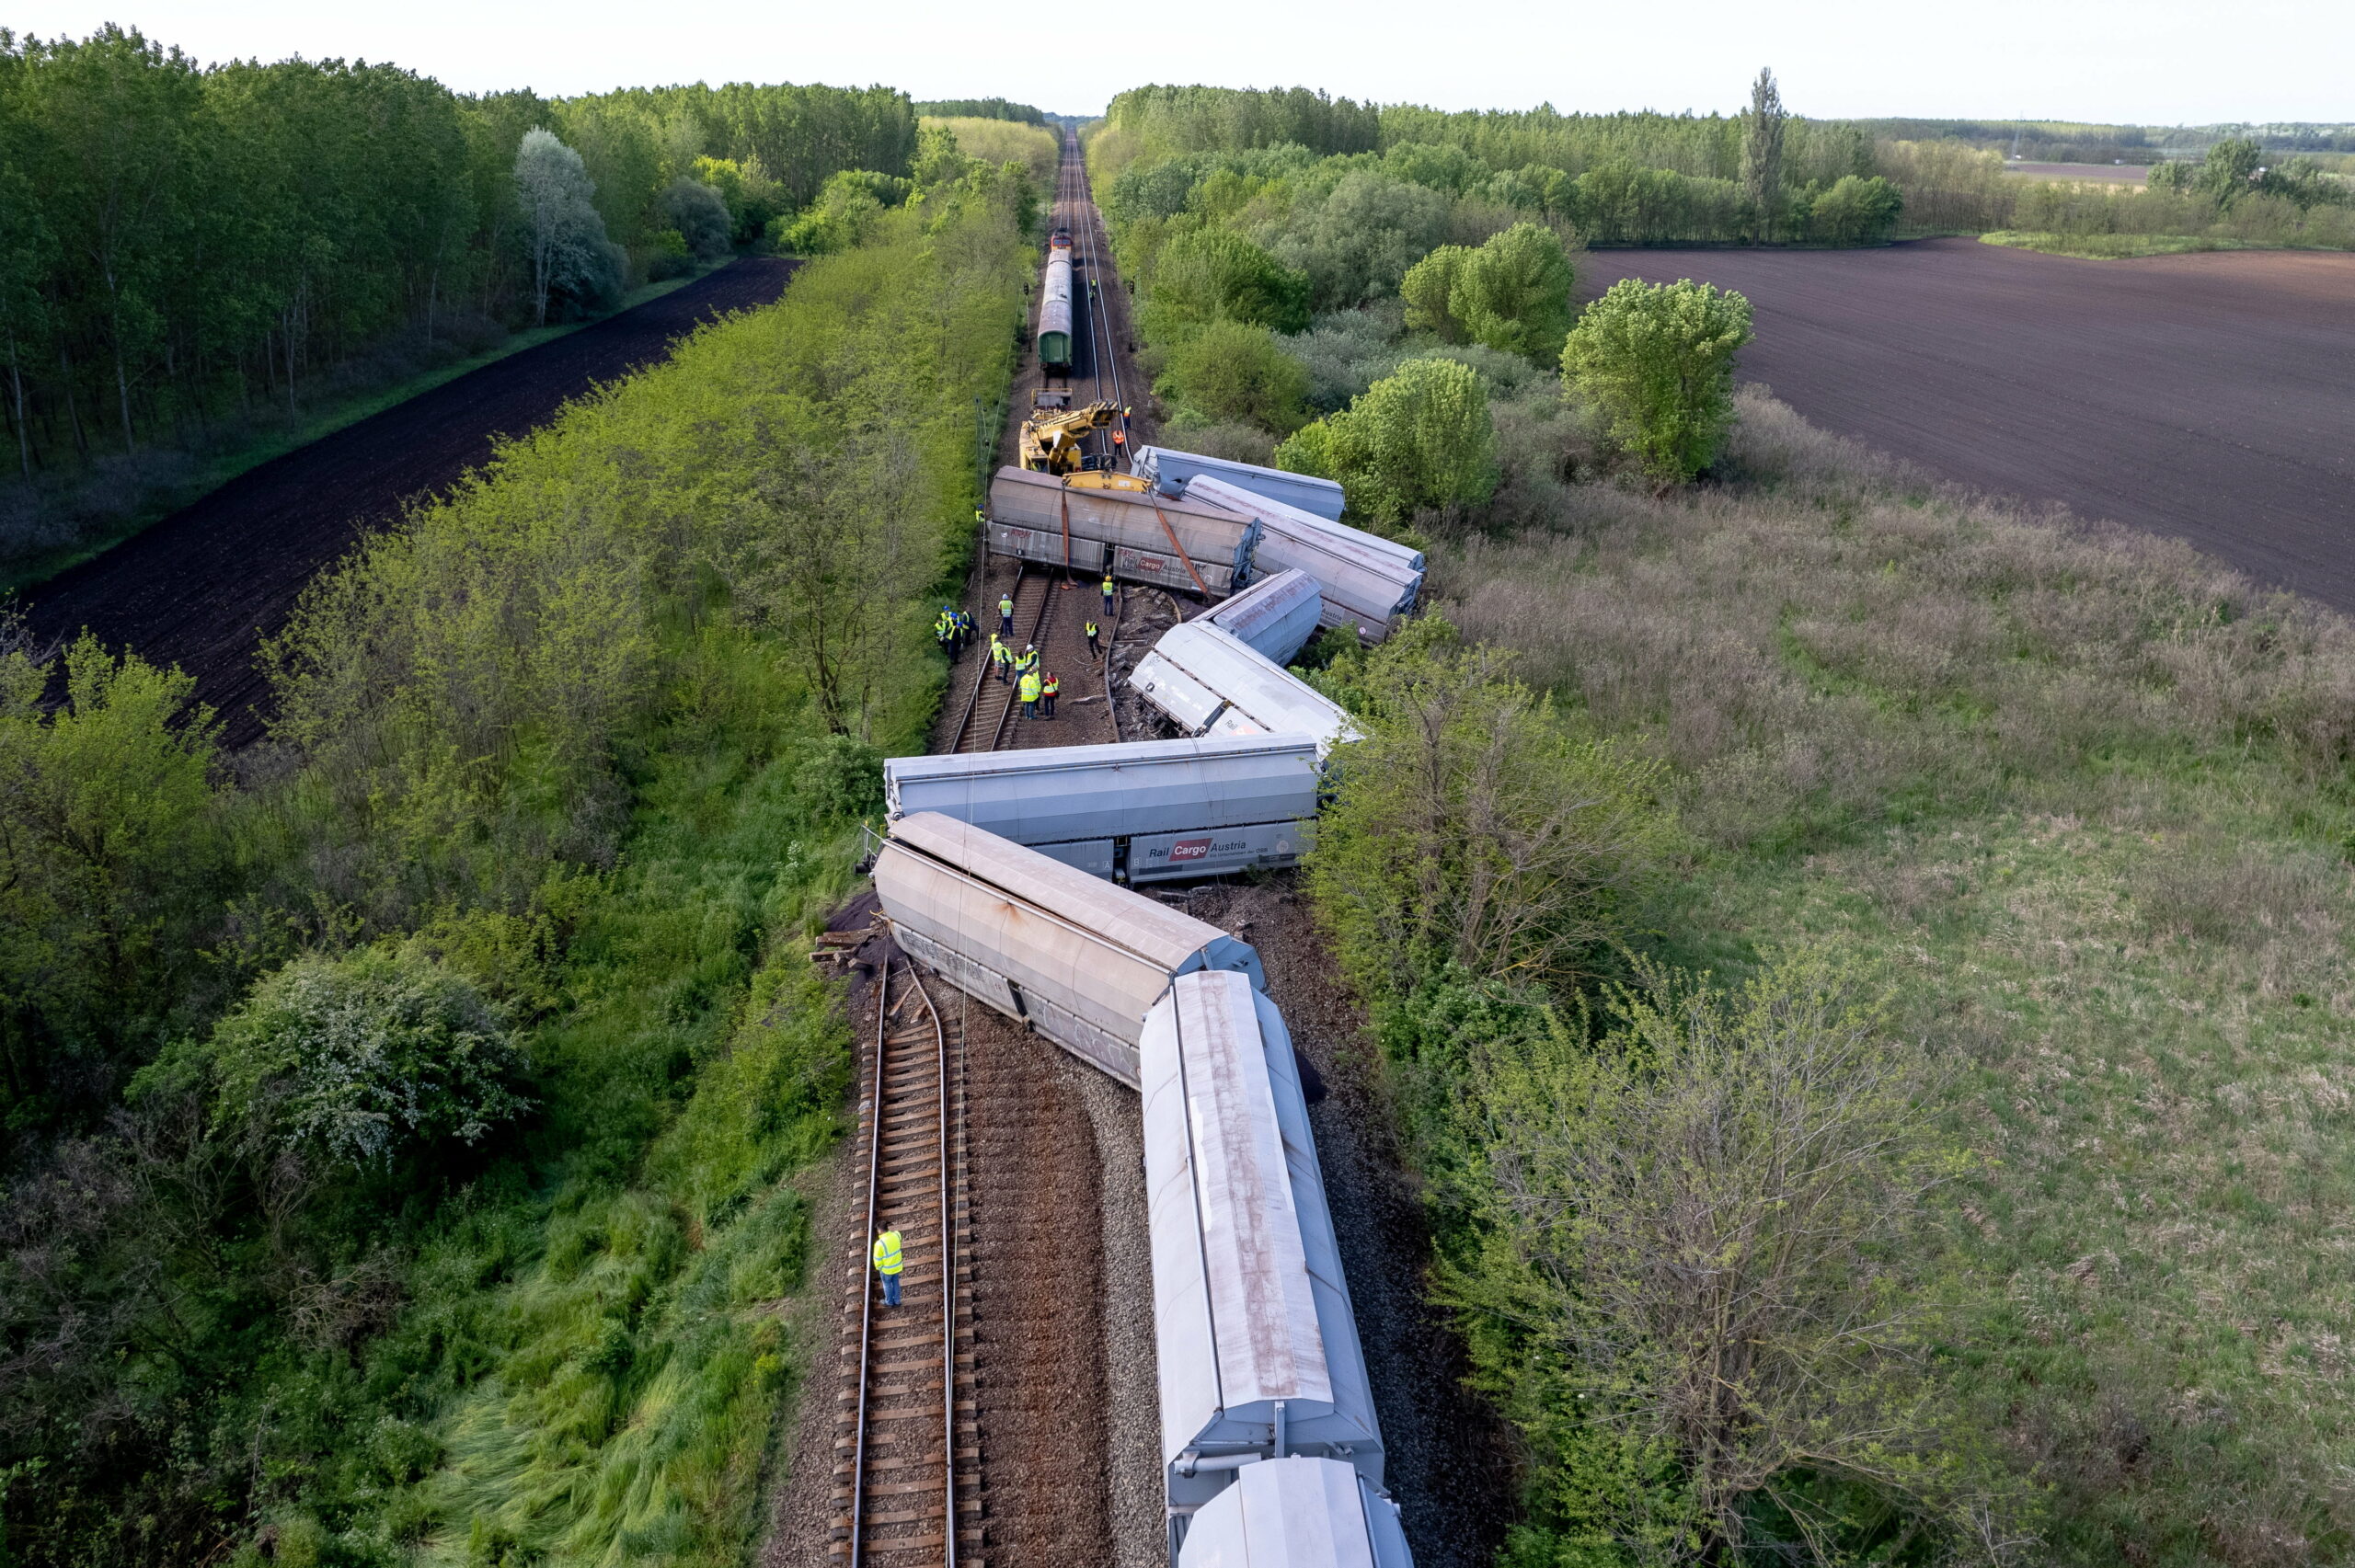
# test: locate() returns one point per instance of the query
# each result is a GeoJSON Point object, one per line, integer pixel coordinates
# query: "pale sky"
{"type": "Point", "coordinates": [2154, 61]}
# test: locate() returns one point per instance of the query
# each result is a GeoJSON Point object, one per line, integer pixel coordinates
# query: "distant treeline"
{"type": "Point", "coordinates": [980, 109]}
{"type": "Point", "coordinates": [2070, 142]}
{"type": "Point", "coordinates": [181, 244]}
{"type": "Point", "coordinates": [1637, 178]}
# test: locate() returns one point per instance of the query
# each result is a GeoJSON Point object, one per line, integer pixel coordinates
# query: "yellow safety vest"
{"type": "Point", "coordinates": [1006, 607]}
{"type": "Point", "coordinates": [1000, 653]}
{"type": "Point", "coordinates": [1030, 687]}
{"type": "Point", "coordinates": [1108, 588]}
{"type": "Point", "coordinates": [887, 1253]}
{"type": "Point", "coordinates": [1049, 686]}
{"type": "Point", "coordinates": [1091, 628]}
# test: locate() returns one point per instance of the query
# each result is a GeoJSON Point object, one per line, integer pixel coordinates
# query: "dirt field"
{"type": "Point", "coordinates": [201, 586]}
{"type": "Point", "coordinates": [2210, 397]}
{"type": "Point", "coordinates": [2115, 173]}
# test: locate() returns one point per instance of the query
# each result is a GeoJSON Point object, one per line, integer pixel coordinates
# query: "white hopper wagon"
{"type": "Point", "coordinates": [1171, 471]}
{"type": "Point", "coordinates": [1078, 959]}
{"type": "Point", "coordinates": [1258, 1353]}
{"type": "Point", "coordinates": [1368, 581]}
{"type": "Point", "coordinates": [1296, 1512]}
{"type": "Point", "coordinates": [1186, 546]}
{"type": "Point", "coordinates": [1274, 617]}
{"type": "Point", "coordinates": [1208, 683]}
{"type": "Point", "coordinates": [1138, 812]}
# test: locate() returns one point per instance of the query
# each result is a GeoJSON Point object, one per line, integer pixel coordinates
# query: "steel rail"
{"type": "Point", "coordinates": [867, 1288]}
{"type": "Point", "coordinates": [947, 1288]}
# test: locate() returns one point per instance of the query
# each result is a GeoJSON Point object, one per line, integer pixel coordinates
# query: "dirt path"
{"type": "Point", "coordinates": [202, 588]}
{"type": "Point", "coordinates": [2208, 397]}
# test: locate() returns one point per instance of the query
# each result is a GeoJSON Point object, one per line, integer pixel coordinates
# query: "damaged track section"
{"type": "Point", "coordinates": [907, 1445]}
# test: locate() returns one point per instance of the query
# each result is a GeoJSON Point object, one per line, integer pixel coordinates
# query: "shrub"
{"type": "Point", "coordinates": [1233, 370]}
{"type": "Point", "coordinates": [1474, 827]}
{"type": "Point", "coordinates": [700, 215]}
{"type": "Point", "coordinates": [1514, 293]}
{"type": "Point", "coordinates": [1855, 211]}
{"type": "Point", "coordinates": [1656, 360]}
{"type": "Point", "coordinates": [1428, 290]}
{"type": "Point", "coordinates": [1207, 275]}
{"type": "Point", "coordinates": [1420, 438]}
{"type": "Point", "coordinates": [381, 1053]}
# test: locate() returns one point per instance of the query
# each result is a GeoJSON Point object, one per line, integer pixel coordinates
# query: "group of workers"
{"type": "Point", "coordinates": [1034, 688]}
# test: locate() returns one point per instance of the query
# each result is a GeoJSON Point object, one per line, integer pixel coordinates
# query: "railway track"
{"type": "Point", "coordinates": [907, 1443]}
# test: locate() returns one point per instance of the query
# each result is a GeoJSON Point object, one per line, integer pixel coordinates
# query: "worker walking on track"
{"type": "Point", "coordinates": [1030, 691]}
{"type": "Point", "coordinates": [888, 1262]}
{"type": "Point", "coordinates": [1005, 614]}
{"type": "Point", "coordinates": [1001, 659]}
{"type": "Point", "coordinates": [1093, 632]}
{"type": "Point", "coordinates": [1047, 687]}
{"type": "Point", "coordinates": [1108, 596]}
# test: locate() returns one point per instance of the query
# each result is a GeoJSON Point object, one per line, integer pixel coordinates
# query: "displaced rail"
{"type": "Point", "coordinates": [907, 1445]}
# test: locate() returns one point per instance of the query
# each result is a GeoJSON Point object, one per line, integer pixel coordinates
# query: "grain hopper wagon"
{"type": "Point", "coordinates": [1274, 617]}
{"type": "Point", "coordinates": [1076, 958]}
{"type": "Point", "coordinates": [1296, 1512]}
{"type": "Point", "coordinates": [1140, 812]}
{"type": "Point", "coordinates": [1171, 471]}
{"type": "Point", "coordinates": [1368, 581]}
{"type": "Point", "coordinates": [1207, 682]}
{"type": "Point", "coordinates": [1186, 546]}
{"type": "Point", "coordinates": [1258, 1353]}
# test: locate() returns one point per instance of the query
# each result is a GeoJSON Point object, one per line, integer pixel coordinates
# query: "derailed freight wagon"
{"type": "Point", "coordinates": [1207, 682]}
{"type": "Point", "coordinates": [1142, 812]}
{"type": "Point", "coordinates": [1076, 958]}
{"type": "Point", "coordinates": [1274, 617]}
{"type": "Point", "coordinates": [1171, 471]}
{"type": "Point", "coordinates": [1368, 581]}
{"type": "Point", "coordinates": [1186, 546]}
{"type": "Point", "coordinates": [1297, 1513]}
{"type": "Point", "coordinates": [1258, 1352]}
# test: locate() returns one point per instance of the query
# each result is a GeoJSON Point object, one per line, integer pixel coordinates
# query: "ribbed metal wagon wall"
{"type": "Point", "coordinates": [1186, 546]}
{"type": "Point", "coordinates": [1206, 682]}
{"type": "Point", "coordinates": [1275, 616]}
{"type": "Point", "coordinates": [1171, 471]}
{"type": "Point", "coordinates": [1078, 959]}
{"type": "Point", "coordinates": [1138, 812]}
{"type": "Point", "coordinates": [1259, 1351]}
{"type": "Point", "coordinates": [1368, 581]}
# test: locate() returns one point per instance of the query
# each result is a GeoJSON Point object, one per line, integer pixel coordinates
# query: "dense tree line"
{"type": "Point", "coordinates": [980, 109]}
{"type": "Point", "coordinates": [182, 245]}
{"type": "Point", "coordinates": [398, 1137]}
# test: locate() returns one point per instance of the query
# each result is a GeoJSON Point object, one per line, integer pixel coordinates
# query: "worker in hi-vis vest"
{"type": "Point", "coordinates": [1005, 614]}
{"type": "Point", "coordinates": [1001, 658]}
{"type": "Point", "coordinates": [1047, 687]}
{"type": "Point", "coordinates": [1108, 596]}
{"type": "Point", "coordinates": [1029, 690]}
{"type": "Point", "coordinates": [888, 1263]}
{"type": "Point", "coordinates": [1094, 632]}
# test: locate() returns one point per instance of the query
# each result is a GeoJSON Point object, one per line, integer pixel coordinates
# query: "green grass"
{"type": "Point", "coordinates": [2112, 247]}
{"type": "Point", "coordinates": [217, 468]}
{"type": "Point", "coordinates": [2081, 800]}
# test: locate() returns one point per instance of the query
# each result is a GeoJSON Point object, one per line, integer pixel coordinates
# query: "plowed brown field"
{"type": "Point", "coordinates": [202, 588]}
{"type": "Point", "coordinates": [2208, 397]}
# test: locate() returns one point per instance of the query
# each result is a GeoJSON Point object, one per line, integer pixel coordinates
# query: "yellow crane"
{"type": "Point", "coordinates": [1052, 437]}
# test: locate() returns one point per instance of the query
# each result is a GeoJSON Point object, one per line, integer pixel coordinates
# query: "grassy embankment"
{"type": "Point", "coordinates": [2079, 800]}
{"type": "Point", "coordinates": [592, 736]}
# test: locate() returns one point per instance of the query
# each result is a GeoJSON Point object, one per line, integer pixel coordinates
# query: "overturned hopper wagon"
{"type": "Point", "coordinates": [1142, 812]}
{"type": "Point", "coordinates": [1275, 616]}
{"type": "Point", "coordinates": [1368, 581]}
{"type": "Point", "coordinates": [1186, 547]}
{"type": "Point", "coordinates": [1207, 682]}
{"type": "Point", "coordinates": [1296, 1512]}
{"type": "Point", "coordinates": [1258, 1352]}
{"type": "Point", "coordinates": [1172, 471]}
{"type": "Point", "coordinates": [1076, 958]}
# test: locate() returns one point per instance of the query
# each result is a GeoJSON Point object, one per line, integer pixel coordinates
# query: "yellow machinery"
{"type": "Point", "coordinates": [1105, 479]}
{"type": "Point", "coordinates": [1051, 437]}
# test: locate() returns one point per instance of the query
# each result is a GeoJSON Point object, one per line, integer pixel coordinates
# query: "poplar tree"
{"type": "Point", "coordinates": [1761, 150]}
